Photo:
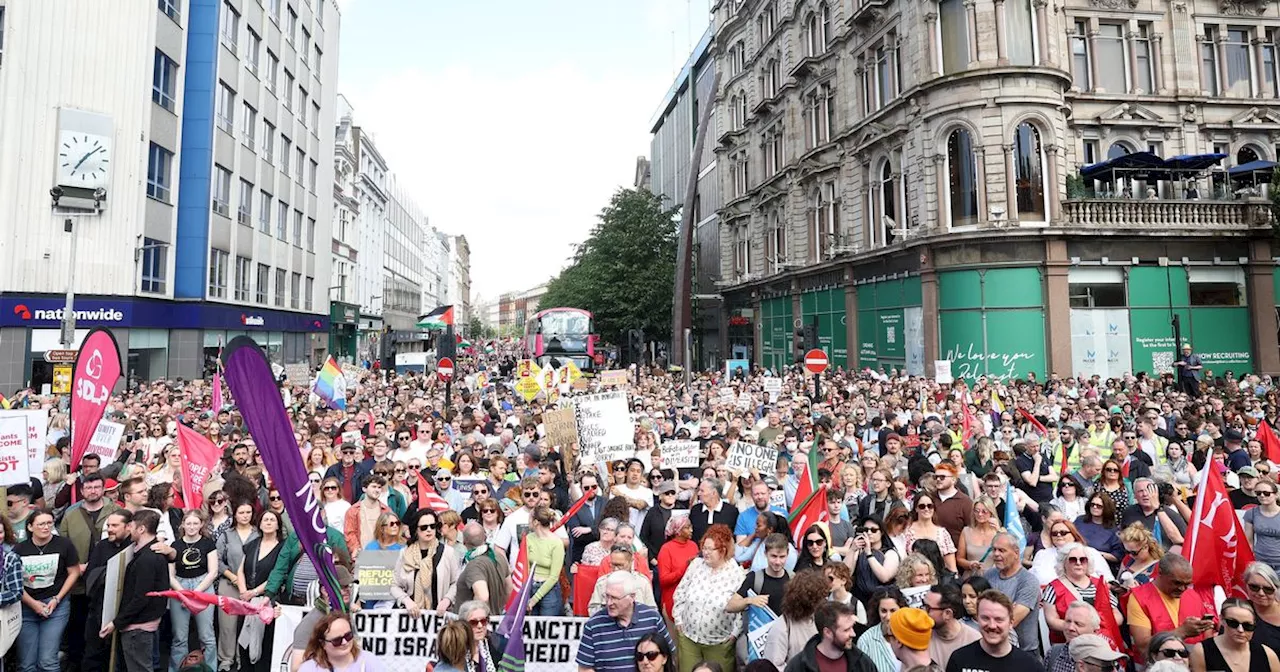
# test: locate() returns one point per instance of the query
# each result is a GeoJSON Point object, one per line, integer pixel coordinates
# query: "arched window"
{"type": "Point", "coordinates": [953, 35]}
{"type": "Point", "coordinates": [1028, 160]}
{"type": "Point", "coordinates": [887, 221]}
{"type": "Point", "coordinates": [1247, 154]}
{"type": "Point", "coordinates": [1118, 149]}
{"type": "Point", "coordinates": [824, 25]}
{"type": "Point", "coordinates": [1020, 33]}
{"type": "Point", "coordinates": [812, 43]}
{"type": "Point", "coordinates": [962, 177]}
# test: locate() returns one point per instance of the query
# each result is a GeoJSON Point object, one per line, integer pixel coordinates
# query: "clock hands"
{"type": "Point", "coordinates": [86, 158]}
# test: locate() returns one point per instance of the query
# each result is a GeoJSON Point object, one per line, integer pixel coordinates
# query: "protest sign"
{"type": "Point", "coordinates": [106, 440]}
{"type": "Point", "coordinates": [353, 437]}
{"type": "Point", "coordinates": [375, 572]}
{"type": "Point", "coordinates": [681, 454]}
{"type": "Point", "coordinates": [404, 643]}
{"type": "Point", "coordinates": [605, 430]}
{"type": "Point", "coordinates": [113, 587]}
{"type": "Point", "coordinates": [562, 431]}
{"type": "Point", "coordinates": [464, 484]}
{"type": "Point", "coordinates": [527, 387]}
{"type": "Point", "coordinates": [942, 371]}
{"type": "Point", "coordinates": [13, 451]}
{"type": "Point", "coordinates": [614, 377]}
{"type": "Point", "coordinates": [743, 457]}
{"type": "Point", "coordinates": [37, 436]}
{"type": "Point", "coordinates": [727, 396]}
{"type": "Point", "coordinates": [773, 386]}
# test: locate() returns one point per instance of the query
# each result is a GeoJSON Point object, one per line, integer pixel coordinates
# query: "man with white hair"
{"type": "Point", "coordinates": [1081, 619]}
{"type": "Point", "coordinates": [621, 559]}
{"type": "Point", "coordinates": [610, 636]}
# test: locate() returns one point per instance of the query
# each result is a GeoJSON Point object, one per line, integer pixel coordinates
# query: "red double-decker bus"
{"type": "Point", "coordinates": [562, 334]}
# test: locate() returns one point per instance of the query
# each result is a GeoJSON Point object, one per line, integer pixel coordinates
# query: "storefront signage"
{"type": "Point", "coordinates": [47, 312]}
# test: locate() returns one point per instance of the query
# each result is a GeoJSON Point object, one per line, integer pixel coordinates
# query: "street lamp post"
{"type": "Point", "coordinates": [68, 336]}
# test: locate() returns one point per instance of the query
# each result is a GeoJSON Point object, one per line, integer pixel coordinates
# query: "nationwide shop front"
{"type": "Point", "coordinates": [157, 338]}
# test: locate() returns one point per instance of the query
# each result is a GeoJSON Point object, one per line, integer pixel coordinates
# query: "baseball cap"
{"type": "Point", "coordinates": [770, 481]}
{"type": "Point", "coordinates": [1093, 647]}
{"type": "Point", "coordinates": [1248, 471]}
{"type": "Point", "coordinates": [665, 487]}
{"type": "Point", "coordinates": [1233, 435]}
{"type": "Point", "coordinates": [533, 452]}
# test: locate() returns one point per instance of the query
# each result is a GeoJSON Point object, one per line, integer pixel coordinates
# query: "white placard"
{"type": "Point", "coordinates": [106, 440]}
{"type": "Point", "coordinates": [942, 371]}
{"type": "Point", "coordinates": [743, 457]}
{"type": "Point", "coordinates": [681, 454]}
{"type": "Point", "coordinates": [773, 386]}
{"type": "Point", "coordinates": [404, 643]}
{"type": "Point", "coordinates": [13, 451]}
{"type": "Point", "coordinates": [37, 437]}
{"type": "Point", "coordinates": [605, 429]}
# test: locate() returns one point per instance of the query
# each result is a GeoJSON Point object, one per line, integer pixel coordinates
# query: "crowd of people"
{"type": "Point", "coordinates": [914, 565]}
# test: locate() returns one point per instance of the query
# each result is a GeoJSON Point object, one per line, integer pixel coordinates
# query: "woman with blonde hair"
{"type": "Point", "coordinates": [454, 644]}
{"type": "Point", "coordinates": [916, 570]}
{"type": "Point", "coordinates": [851, 481]}
{"type": "Point", "coordinates": [386, 533]}
{"type": "Point", "coordinates": [55, 477]}
{"type": "Point", "coordinates": [973, 551]}
{"type": "Point", "coordinates": [1144, 552]}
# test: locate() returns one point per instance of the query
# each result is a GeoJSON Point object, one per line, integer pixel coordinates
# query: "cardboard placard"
{"type": "Point", "coordinates": [614, 377]}
{"type": "Point", "coordinates": [681, 454]}
{"type": "Point", "coordinates": [562, 430]}
{"type": "Point", "coordinates": [605, 428]}
{"type": "Point", "coordinates": [942, 371]}
{"type": "Point", "coordinates": [743, 457]}
{"type": "Point", "coordinates": [375, 572]}
{"type": "Point", "coordinates": [772, 386]}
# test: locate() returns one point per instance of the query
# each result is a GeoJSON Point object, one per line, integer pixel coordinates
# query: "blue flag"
{"type": "Point", "coordinates": [760, 621]}
{"type": "Point", "coordinates": [1012, 521]}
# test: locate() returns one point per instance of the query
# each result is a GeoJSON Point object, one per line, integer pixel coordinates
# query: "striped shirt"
{"type": "Point", "coordinates": [606, 646]}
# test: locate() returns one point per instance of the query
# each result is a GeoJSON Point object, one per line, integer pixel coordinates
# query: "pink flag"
{"type": "Point", "coordinates": [198, 456]}
{"type": "Point", "coordinates": [97, 370]}
{"type": "Point", "coordinates": [196, 602]}
{"type": "Point", "coordinates": [217, 392]}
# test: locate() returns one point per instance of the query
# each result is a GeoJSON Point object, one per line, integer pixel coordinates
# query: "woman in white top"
{"type": "Point", "coordinates": [1061, 532]}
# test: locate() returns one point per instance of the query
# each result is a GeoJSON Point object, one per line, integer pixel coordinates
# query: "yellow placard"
{"type": "Point", "coordinates": [482, 379]}
{"type": "Point", "coordinates": [613, 377]}
{"type": "Point", "coordinates": [62, 379]}
{"type": "Point", "coordinates": [528, 388]}
{"type": "Point", "coordinates": [547, 379]}
{"type": "Point", "coordinates": [572, 371]}
{"type": "Point", "coordinates": [527, 368]}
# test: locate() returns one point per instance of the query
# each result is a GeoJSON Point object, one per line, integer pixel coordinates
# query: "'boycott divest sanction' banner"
{"type": "Point", "coordinates": [406, 644]}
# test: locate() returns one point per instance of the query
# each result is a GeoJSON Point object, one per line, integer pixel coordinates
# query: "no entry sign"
{"type": "Point", "coordinates": [815, 361]}
{"type": "Point", "coordinates": [444, 369]}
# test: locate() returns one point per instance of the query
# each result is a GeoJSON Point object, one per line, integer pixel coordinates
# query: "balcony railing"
{"type": "Point", "coordinates": [1156, 213]}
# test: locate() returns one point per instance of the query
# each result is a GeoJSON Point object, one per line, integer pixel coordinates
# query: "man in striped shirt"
{"type": "Point", "coordinates": [609, 638]}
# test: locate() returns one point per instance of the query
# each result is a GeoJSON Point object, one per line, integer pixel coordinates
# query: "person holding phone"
{"type": "Point", "coordinates": [1149, 610]}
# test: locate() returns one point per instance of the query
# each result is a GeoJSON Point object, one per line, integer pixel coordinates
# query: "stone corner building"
{"type": "Point", "coordinates": [904, 175]}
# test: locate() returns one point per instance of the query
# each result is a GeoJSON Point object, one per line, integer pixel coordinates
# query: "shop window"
{"type": "Point", "coordinates": [1090, 295]}
{"type": "Point", "coordinates": [1217, 294]}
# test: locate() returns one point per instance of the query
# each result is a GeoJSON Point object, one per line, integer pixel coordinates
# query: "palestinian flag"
{"type": "Point", "coordinates": [437, 319]}
{"type": "Point", "coordinates": [810, 503]}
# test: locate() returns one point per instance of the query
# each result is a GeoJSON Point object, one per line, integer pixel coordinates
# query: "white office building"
{"type": "Point", "coordinates": [106, 106]}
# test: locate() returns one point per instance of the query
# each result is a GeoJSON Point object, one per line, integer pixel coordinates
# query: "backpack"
{"type": "Point", "coordinates": [758, 578]}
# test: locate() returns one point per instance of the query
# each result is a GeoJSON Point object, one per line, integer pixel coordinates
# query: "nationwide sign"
{"type": "Point", "coordinates": [99, 315]}
{"type": "Point", "coordinates": [92, 311]}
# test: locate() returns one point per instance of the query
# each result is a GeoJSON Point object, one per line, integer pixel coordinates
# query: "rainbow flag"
{"type": "Point", "coordinates": [331, 386]}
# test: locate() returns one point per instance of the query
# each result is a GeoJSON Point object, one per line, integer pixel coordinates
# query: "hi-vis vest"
{"type": "Point", "coordinates": [1191, 605]}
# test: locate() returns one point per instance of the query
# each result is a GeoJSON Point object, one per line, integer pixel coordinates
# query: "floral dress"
{"type": "Point", "coordinates": [701, 599]}
{"type": "Point", "coordinates": [941, 535]}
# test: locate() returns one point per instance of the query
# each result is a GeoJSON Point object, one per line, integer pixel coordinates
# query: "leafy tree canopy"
{"type": "Point", "coordinates": [624, 272]}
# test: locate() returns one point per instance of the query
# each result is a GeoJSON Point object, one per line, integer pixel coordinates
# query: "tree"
{"type": "Point", "coordinates": [624, 272]}
{"type": "Point", "coordinates": [475, 328]}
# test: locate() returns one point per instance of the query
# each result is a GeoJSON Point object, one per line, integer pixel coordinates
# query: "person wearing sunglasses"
{"type": "Point", "coordinates": [1262, 523]}
{"type": "Point", "coordinates": [1233, 648]}
{"type": "Point", "coordinates": [334, 646]}
{"type": "Point", "coordinates": [815, 548]}
{"type": "Point", "coordinates": [582, 524]}
{"type": "Point", "coordinates": [653, 654]}
{"type": "Point", "coordinates": [1169, 647]}
{"type": "Point", "coordinates": [1074, 583]}
{"type": "Point", "coordinates": [426, 574]}
{"type": "Point", "coordinates": [1261, 583]}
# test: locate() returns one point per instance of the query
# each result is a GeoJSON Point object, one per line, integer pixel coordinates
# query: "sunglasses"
{"type": "Point", "coordinates": [479, 491]}
{"type": "Point", "coordinates": [443, 479]}
{"type": "Point", "coordinates": [488, 510]}
{"type": "Point", "coordinates": [1060, 533]}
{"type": "Point", "coordinates": [924, 507]}
{"type": "Point", "coordinates": [1233, 624]}
{"type": "Point", "coordinates": [815, 542]}
{"type": "Point", "coordinates": [477, 622]}
{"type": "Point", "coordinates": [341, 639]}
{"type": "Point", "coordinates": [1097, 505]}
{"type": "Point", "coordinates": [1174, 653]}
{"type": "Point", "coordinates": [620, 470]}
{"type": "Point", "coordinates": [1076, 560]}
{"type": "Point", "coordinates": [392, 524]}
{"type": "Point", "coordinates": [274, 498]}
{"type": "Point", "coordinates": [429, 526]}
{"type": "Point", "coordinates": [647, 655]}
{"type": "Point", "coordinates": [330, 487]}
{"type": "Point", "coordinates": [1265, 590]}
{"type": "Point", "coordinates": [1111, 470]}
{"type": "Point", "coordinates": [865, 530]}
{"type": "Point", "coordinates": [401, 471]}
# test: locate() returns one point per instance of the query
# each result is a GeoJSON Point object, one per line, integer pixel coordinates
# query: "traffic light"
{"type": "Point", "coordinates": [798, 343]}
{"type": "Point", "coordinates": [635, 345]}
{"type": "Point", "coordinates": [810, 337]}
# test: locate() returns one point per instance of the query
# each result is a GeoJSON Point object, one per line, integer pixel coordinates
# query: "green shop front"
{"type": "Point", "coordinates": [891, 325]}
{"type": "Point", "coordinates": [344, 319]}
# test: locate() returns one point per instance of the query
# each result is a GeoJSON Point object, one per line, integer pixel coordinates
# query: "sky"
{"type": "Point", "coordinates": [510, 121]}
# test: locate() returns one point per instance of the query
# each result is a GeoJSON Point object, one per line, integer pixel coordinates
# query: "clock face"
{"type": "Point", "coordinates": [84, 160]}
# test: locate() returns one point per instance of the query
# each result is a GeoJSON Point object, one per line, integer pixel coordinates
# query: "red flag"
{"type": "Point", "coordinates": [569, 514]}
{"type": "Point", "coordinates": [808, 511]}
{"type": "Point", "coordinates": [196, 602]}
{"type": "Point", "coordinates": [1270, 442]}
{"type": "Point", "coordinates": [808, 478]}
{"type": "Point", "coordinates": [198, 456]}
{"type": "Point", "coordinates": [428, 498]}
{"type": "Point", "coordinates": [1215, 542]}
{"type": "Point", "coordinates": [519, 573]}
{"type": "Point", "coordinates": [97, 370]}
